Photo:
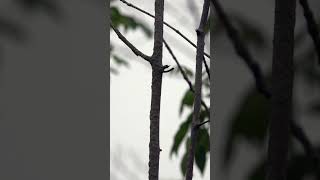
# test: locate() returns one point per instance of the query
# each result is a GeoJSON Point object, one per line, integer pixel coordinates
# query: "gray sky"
{"type": "Point", "coordinates": [131, 90]}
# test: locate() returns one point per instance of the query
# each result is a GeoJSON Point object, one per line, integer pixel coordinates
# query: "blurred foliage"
{"type": "Point", "coordinates": [49, 7]}
{"type": "Point", "coordinates": [120, 20]}
{"type": "Point", "coordinates": [13, 30]}
{"type": "Point", "coordinates": [300, 167]}
{"type": "Point", "coordinates": [249, 123]}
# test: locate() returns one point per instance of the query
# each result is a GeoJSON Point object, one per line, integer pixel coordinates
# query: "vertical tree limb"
{"type": "Point", "coordinates": [198, 88]}
{"type": "Point", "coordinates": [282, 86]}
{"type": "Point", "coordinates": [157, 71]}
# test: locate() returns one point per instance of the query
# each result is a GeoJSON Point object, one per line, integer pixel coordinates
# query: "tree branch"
{"type": "Point", "coordinates": [131, 46]}
{"type": "Point", "coordinates": [282, 87]}
{"type": "Point", "coordinates": [201, 124]}
{"type": "Point", "coordinates": [156, 85]}
{"type": "Point", "coordinates": [241, 49]}
{"type": "Point", "coordinates": [198, 89]}
{"type": "Point", "coordinates": [184, 75]}
{"type": "Point", "coordinates": [312, 26]}
{"type": "Point", "coordinates": [165, 23]}
{"type": "Point", "coordinates": [308, 148]}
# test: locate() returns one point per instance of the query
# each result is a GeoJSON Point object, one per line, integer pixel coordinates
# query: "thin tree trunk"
{"type": "Point", "coordinates": [282, 87]}
{"type": "Point", "coordinates": [157, 71]}
{"type": "Point", "coordinates": [198, 88]}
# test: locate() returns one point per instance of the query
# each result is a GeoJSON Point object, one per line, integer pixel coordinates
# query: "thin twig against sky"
{"type": "Point", "coordinates": [165, 23]}
{"type": "Point", "coordinates": [175, 30]}
{"type": "Point", "coordinates": [184, 75]}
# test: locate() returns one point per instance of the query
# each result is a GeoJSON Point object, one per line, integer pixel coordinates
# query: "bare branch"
{"type": "Point", "coordinates": [312, 26]}
{"type": "Point", "coordinates": [184, 75]}
{"type": "Point", "coordinates": [198, 89]}
{"type": "Point", "coordinates": [156, 84]}
{"type": "Point", "coordinates": [282, 85]}
{"type": "Point", "coordinates": [206, 67]}
{"type": "Point", "coordinates": [241, 49]}
{"type": "Point", "coordinates": [300, 135]}
{"type": "Point", "coordinates": [201, 124]}
{"type": "Point", "coordinates": [165, 23]}
{"type": "Point", "coordinates": [131, 46]}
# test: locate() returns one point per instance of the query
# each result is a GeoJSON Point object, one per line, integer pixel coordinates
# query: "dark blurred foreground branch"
{"type": "Point", "coordinates": [307, 146]}
{"type": "Point", "coordinates": [312, 26]}
{"type": "Point", "coordinates": [241, 49]}
{"type": "Point", "coordinates": [282, 87]}
{"type": "Point", "coordinates": [297, 132]}
{"type": "Point", "coordinates": [198, 87]}
{"type": "Point", "coordinates": [184, 75]}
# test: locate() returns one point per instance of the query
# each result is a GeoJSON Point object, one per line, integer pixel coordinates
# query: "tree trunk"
{"type": "Point", "coordinates": [198, 89]}
{"type": "Point", "coordinates": [157, 71]}
{"type": "Point", "coordinates": [282, 87]}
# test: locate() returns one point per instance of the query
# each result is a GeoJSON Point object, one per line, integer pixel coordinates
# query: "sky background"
{"type": "Point", "coordinates": [130, 93]}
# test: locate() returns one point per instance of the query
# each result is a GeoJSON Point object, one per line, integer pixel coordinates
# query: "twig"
{"type": "Point", "coordinates": [131, 46]}
{"type": "Point", "coordinates": [184, 75]}
{"type": "Point", "coordinates": [198, 88]}
{"type": "Point", "coordinates": [207, 67]}
{"type": "Point", "coordinates": [312, 26]}
{"type": "Point", "coordinates": [241, 49]}
{"type": "Point", "coordinates": [172, 28]}
{"type": "Point", "coordinates": [201, 124]}
{"type": "Point", "coordinates": [308, 148]}
{"type": "Point", "coordinates": [165, 23]}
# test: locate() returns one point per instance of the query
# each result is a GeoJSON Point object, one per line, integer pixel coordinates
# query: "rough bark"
{"type": "Point", "coordinates": [198, 88]}
{"type": "Point", "coordinates": [282, 86]}
{"type": "Point", "coordinates": [157, 71]}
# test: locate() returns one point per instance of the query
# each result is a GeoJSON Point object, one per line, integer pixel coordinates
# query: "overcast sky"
{"type": "Point", "coordinates": [131, 90]}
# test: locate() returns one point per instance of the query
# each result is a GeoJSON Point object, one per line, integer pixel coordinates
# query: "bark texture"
{"type": "Point", "coordinates": [282, 86]}
{"type": "Point", "coordinates": [198, 89]}
{"type": "Point", "coordinates": [157, 71]}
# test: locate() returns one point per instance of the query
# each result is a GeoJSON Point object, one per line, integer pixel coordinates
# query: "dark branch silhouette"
{"type": "Point", "coordinates": [300, 136]}
{"type": "Point", "coordinates": [282, 87]}
{"type": "Point", "coordinates": [312, 26]}
{"type": "Point", "coordinates": [241, 49]}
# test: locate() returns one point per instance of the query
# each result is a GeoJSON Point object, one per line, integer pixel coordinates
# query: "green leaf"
{"type": "Point", "coordinates": [187, 100]}
{"type": "Point", "coordinates": [249, 123]}
{"type": "Point", "coordinates": [129, 23]}
{"type": "Point", "coordinates": [200, 158]}
{"type": "Point", "coordinates": [120, 61]}
{"type": "Point", "coordinates": [202, 147]}
{"type": "Point", "coordinates": [204, 139]}
{"type": "Point", "coordinates": [180, 134]}
{"type": "Point", "coordinates": [183, 164]}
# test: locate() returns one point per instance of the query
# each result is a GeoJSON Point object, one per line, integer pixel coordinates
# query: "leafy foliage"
{"type": "Point", "coordinates": [249, 122]}
{"type": "Point", "coordinates": [128, 22]}
{"type": "Point", "coordinates": [118, 19]}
